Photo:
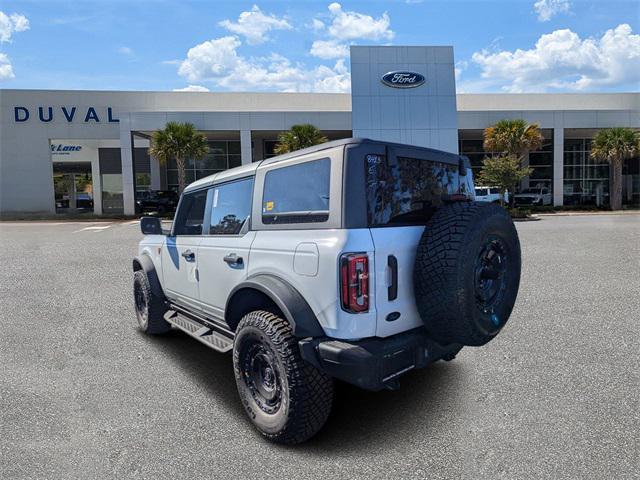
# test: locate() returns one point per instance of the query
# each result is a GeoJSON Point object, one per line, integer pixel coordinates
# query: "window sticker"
{"type": "Point", "coordinates": [215, 198]}
{"type": "Point", "coordinates": [268, 206]}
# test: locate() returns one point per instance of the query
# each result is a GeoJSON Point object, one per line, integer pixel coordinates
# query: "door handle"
{"type": "Point", "coordinates": [188, 255]}
{"type": "Point", "coordinates": [233, 259]}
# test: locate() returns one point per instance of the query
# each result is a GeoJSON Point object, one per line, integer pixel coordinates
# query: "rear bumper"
{"type": "Point", "coordinates": [374, 363]}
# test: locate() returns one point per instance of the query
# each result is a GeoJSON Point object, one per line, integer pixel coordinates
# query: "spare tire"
{"type": "Point", "coordinates": [467, 272]}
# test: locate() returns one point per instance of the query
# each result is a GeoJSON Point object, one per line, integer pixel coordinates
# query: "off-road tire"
{"type": "Point", "coordinates": [150, 308]}
{"type": "Point", "coordinates": [447, 284]}
{"type": "Point", "coordinates": [306, 392]}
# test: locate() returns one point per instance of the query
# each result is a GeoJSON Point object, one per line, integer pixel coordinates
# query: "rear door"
{"type": "Point", "coordinates": [223, 253]}
{"type": "Point", "coordinates": [403, 190]}
{"type": "Point", "coordinates": [179, 251]}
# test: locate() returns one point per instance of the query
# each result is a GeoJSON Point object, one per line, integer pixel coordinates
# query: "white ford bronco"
{"type": "Point", "coordinates": [355, 260]}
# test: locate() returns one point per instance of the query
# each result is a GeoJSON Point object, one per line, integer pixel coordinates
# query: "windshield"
{"type": "Point", "coordinates": [408, 190]}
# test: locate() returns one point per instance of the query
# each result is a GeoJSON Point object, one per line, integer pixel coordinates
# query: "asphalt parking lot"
{"type": "Point", "coordinates": [83, 394]}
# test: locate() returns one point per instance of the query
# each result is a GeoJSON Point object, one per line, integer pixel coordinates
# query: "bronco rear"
{"type": "Point", "coordinates": [355, 260]}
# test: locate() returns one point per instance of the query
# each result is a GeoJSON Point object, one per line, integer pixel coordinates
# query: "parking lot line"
{"type": "Point", "coordinates": [94, 228]}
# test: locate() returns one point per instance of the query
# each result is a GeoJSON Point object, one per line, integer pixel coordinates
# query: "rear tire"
{"type": "Point", "coordinates": [287, 399]}
{"type": "Point", "coordinates": [150, 308]}
{"type": "Point", "coordinates": [467, 273]}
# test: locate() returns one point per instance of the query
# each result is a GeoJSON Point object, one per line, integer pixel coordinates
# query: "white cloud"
{"type": "Point", "coordinates": [317, 25]}
{"type": "Point", "coordinates": [254, 25]}
{"type": "Point", "coordinates": [562, 60]}
{"type": "Point", "coordinates": [10, 24]}
{"type": "Point", "coordinates": [218, 61]}
{"type": "Point", "coordinates": [6, 70]}
{"type": "Point", "coordinates": [211, 59]}
{"type": "Point", "coordinates": [347, 25]}
{"type": "Point", "coordinates": [192, 88]}
{"type": "Point", "coordinates": [546, 9]}
{"type": "Point", "coordinates": [329, 49]}
{"type": "Point", "coordinates": [128, 51]}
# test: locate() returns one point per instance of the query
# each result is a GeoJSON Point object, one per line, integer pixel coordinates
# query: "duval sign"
{"type": "Point", "coordinates": [402, 79]}
{"type": "Point", "coordinates": [68, 113]}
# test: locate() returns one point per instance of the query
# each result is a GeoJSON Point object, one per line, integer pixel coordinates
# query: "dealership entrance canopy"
{"type": "Point", "coordinates": [78, 151]}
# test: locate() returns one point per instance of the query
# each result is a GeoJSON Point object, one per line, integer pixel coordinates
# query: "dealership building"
{"type": "Point", "coordinates": [73, 151]}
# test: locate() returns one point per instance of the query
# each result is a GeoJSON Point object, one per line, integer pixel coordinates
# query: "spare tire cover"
{"type": "Point", "coordinates": [467, 272]}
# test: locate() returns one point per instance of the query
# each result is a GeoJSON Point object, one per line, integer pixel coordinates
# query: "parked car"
{"type": "Point", "coordinates": [534, 196]}
{"type": "Point", "coordinates": [355, 260]}
{"type": "Point", "coordinates": [491, 194]}
{"type": "Point", "coordinates": [84, 200]}
{"type": "Point", "coordinates": [160, 201]}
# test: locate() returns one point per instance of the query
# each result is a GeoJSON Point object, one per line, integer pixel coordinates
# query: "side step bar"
{"type": "Point", "coordinates": [217, 340]}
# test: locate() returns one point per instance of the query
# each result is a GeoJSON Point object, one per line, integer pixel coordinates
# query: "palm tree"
{"type": "Point", "coordinates": [300, 136]}
{"type": "Point", "coordinates": [513, 137]}
{"type": "Point", "coordinates": [615, 145]}
{"type": "Point", "coordinates": [178, 141]}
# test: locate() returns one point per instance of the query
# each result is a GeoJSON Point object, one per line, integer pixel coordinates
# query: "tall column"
{"type": "Point", "coordinates": [126, 157]}
{"type": "Point", "coordinates": [558, 166]}
{"type": "Point", "coordinates": [96, 184]}
{"type": "Point", "coordinates": [245, 147]}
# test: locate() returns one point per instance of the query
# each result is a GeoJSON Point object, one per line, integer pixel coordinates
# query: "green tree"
{"type": "Point", "coordinates": [178, 141]}
{"type": "Point", "coordinates": [300, 136]}
{"type": "Point", "coordinates": [505, 172]}
{"type": "Point", "coordinates": [513, 137]}
{"type": "Point", "coordinates": [615, 145]}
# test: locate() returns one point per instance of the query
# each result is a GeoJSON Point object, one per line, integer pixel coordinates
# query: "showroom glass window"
{"type": "Point", "coordinates": [297, 194]}
{"type": "Point", "coordinates": [222, 156]}
{"type": "Point", "coordinates": [471, 145]}
{"type": "Point", "coordinates": [230, 207]}
{"type": "Point", "coordinates": [586, 181]}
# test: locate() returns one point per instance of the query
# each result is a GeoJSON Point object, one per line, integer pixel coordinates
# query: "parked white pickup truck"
{"type": "Point", "coordinates": [491, 195]}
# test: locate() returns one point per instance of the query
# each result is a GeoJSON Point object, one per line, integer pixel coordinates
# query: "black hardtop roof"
{"type": "Point", "coordinates": [446, 156]}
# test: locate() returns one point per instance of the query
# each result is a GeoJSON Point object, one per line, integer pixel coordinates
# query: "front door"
{"type": "Point", "coordinates": [224, 252]}
{"type": "Point", "coordinates": [179, 252]}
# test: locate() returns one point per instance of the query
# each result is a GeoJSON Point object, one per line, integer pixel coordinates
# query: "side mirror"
{"type": "Point", "coordinates": [151, 226]}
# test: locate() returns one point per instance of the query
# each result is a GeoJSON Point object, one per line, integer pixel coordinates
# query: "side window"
{"type": "Point", "coordinates": [231, 206]}
{"type": "Point", "coordinates": [495, 191]}
{"type": "Point", "coordinates": [190, 215]}
{"type": "Point", "coordinates": [297, 194]}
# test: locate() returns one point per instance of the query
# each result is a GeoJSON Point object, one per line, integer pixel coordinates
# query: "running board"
{"type": "Point", "coordinates": [200, 332]}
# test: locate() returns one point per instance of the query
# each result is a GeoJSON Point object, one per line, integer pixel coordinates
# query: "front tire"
{"type": "Point", "coordinates": [287, 399]}
{"type": "Point", "coordinates": [150, 308]}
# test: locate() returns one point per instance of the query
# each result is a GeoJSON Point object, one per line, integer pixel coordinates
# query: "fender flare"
{"type": "Point", "coordinates": [144, 262]}
{"type": "Point", "coordinates": [291, 303]}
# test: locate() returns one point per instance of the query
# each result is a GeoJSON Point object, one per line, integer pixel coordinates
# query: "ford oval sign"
{"type": "Point", "coordinates": [402, 79]}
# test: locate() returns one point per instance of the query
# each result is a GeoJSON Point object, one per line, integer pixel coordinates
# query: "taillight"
{"type": "Point", "coordinates": [354, 282]}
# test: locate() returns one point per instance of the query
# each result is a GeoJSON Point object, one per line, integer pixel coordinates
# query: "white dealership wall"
{"type": "Point", "coordinates": [428, 115]}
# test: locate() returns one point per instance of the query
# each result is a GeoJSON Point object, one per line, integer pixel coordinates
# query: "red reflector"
{"type": "Point", "coordinates": [354, 282]}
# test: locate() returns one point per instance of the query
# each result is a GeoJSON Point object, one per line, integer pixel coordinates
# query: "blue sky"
{"type": "Point", "coordinates": [500, 46]}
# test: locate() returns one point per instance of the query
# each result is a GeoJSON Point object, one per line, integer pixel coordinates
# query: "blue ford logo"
{"type": "Point", "coordinates": [402, 79]}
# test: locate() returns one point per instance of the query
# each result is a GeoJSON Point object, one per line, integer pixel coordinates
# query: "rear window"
{"type": "Point", "coordinates": [297, 194]}
{"type": "Point", "coordinates": [407, 191]}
